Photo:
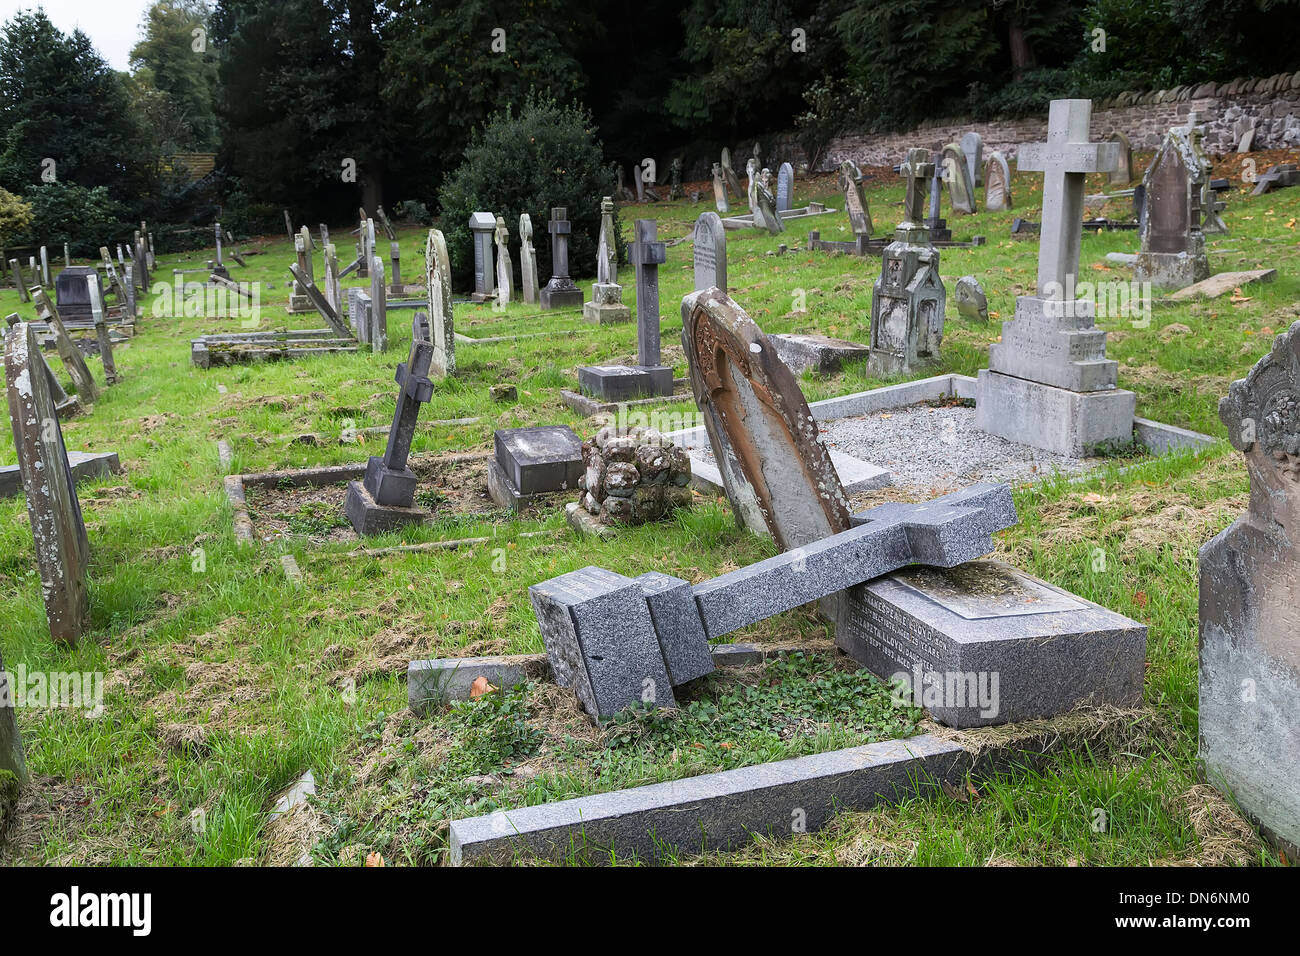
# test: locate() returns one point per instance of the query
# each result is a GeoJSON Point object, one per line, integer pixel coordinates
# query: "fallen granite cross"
{"type": "Point", "coordinates": [617, 641]}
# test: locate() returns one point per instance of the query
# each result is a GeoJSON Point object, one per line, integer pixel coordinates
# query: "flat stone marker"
{"type": "Point", "coordinates": [717, 811]}
{"type": "Point", "coordinates": [82, 464]}
{"type": "Point", "coordinates": [433, 682]}
{"type": "Point", "coordinates": [482, 225]}
{"type": "Point", "coordinates": [1250, 607]}
{"type": "Point", "coordinates": [1049, 383]}
{"type": "Point", "coordinates": [561, 292]}
{"type": "Point", "coordinates": [532, 461]}
{"type": "Point", "coordinates": [384, 500]}
{"type": "Point", "coordinates": [528, 261]}
{"type": "Point", "coordinates": [984, 644]}
{"type": "Point", "coordinates": [819, 353]}
{"type": "Point", "coordinates": [1222, 283]}
{"type": "Point", "coordinates": [441, 324]}
{"type": "Point", "coordinates": [709, 252]}
{"type": "Point", "coordinates": [764, 438]}
{"type": "Point", "coordinates": [62, 548]}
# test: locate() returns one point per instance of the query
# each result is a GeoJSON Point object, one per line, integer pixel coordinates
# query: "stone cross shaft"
{"type": "Point", "coordinates": [416, 388]}
{"type": "Point", "coordinates": [1065, 159]}
{"type": "Point", "coordinates": [647, 255]}
{"type": "Point", "coordinates": [559, 227]}
{"type": "Point", "coordinates": [918, 170]}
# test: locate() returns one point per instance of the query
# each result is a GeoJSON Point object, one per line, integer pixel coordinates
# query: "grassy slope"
{"type": "Point", "coordinates": [224, 683]}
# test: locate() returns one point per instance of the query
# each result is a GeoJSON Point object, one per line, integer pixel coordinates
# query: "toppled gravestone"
{"type": "Point", "coordinates": [635, 477]}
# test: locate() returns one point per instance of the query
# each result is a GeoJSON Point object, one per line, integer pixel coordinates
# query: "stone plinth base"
{"type": "Point", "coordinates": [1078, 424]}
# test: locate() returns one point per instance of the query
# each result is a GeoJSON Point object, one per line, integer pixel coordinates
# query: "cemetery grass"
{"type": "Point", "coordinates": [225, 679]}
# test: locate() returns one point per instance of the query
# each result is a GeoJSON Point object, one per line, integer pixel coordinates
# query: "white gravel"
{"type": "Point", "coordinates": [939, 448]}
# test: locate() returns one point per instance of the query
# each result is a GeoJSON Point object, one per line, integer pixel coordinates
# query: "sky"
{"type": "Point", "coordinates": [112, 25]}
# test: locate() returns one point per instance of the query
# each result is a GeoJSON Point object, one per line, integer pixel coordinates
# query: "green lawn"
{"type": "Point", "coordinates": [225, 680]}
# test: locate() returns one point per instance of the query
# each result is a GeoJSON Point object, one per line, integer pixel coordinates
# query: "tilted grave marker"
{"type": "Point", "coordinates": [384, 500]}
{"type": "Point", "coordinates": [59, 533]}
{"type": "Point", "coordinates": [1250, 607]}
{"type": "Point", "coordinates": [720, 190]}
{"type": "Point", "coordinates": [1049, 383]}
{"type": "Point", "coordinates": [101, 331]}
{"type": "Point", "coordinates": [378, 307]}
{"type": "Point", "coordinates": [855, 200]}
{"type": "Point", "coordinates": [16, 270]}
{"type": "Point", "coordinates": [505, 271]}
{"type": "Point", "coordinates": [73, 361]}
{"type": "Point", "coordinates": [532, 289]}
{"type": "Point", "coordinates": [438, 282]}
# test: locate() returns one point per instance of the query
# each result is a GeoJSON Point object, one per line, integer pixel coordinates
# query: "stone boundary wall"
{"type": "Point", "coordinates": [1226, 110]}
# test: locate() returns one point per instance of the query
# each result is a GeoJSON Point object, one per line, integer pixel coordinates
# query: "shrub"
{"type": "Point", "coordinates": [15, 217]}
{"type": "Point", "coordinates": [65, 212]}
{"type": "Point", "coordinates": [542, 156]}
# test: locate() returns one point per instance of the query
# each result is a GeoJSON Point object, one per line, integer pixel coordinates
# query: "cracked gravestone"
{"type": "Point", "coordinates": [58, 531]}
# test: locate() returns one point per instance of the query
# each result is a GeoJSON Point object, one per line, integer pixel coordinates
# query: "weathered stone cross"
{"type": "Point", "coordinates": [1065, 159]}
{"type": "Point", "coordinates": [647, 255]}
{"type": "Point", "coordinates": [559, 228]}
{"type": "Point", "coordinates": [918, 171]}
{"type": "Point", "coordinates": [416, 389]}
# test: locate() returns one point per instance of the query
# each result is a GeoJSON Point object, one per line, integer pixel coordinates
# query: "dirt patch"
{"type": "Point", "coordinates": [449, 484]}
{"type": "Point", "coordinates": [51, 809]}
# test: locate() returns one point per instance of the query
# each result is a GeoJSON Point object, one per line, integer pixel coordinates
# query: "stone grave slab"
{"type": "Point", "coordinates": [819, 353]}
{"type": "Point", "coordinates": [527, 462]}
{"type": "Point", "coordinates": [1222, 283]}
{"type": "Point", "coordinates": [617, 383]}
{"type": "Point", "coordinates": [1250, 607]}
{"type": "Point", "coordinates": [984, 644]}
{"type": "Point", "coordinates": [62, 548]}
{"type": "Point", "coordinates": [82, 464]}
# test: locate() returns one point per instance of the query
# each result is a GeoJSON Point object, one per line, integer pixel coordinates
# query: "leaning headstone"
{"type": "Point", "coordinates": [298, 298]}
{"type": "Point", "coordinates": [378, 307]}
{"type": "Point", "coordinates": [606, 306]}
{"type": "Point", "coordinates": [729, 174]}
{"type": "Point", "coordinates": [560, 292]}
{"type": "Point", "coordinates": [908, 298]}
{"type": "Point", "coordinates": [482, 225]}
{"type": "Point", "coordinates": [614, 383]}
{"type": "Point", "coordinates": [11, 744]}
{"type": "Point", "coordinates": [385, 499]}
{"type": "Point", "coordinates": [1250, 607]}
{"type": "Point", "coordinates": [638, 181]}
{"type": "Point", "coordinates": [997, 183]}
{"type": "Point", "coordinates": [855, 200]}
{"type": "Point", "coordinates": [59, 533]}
{"type": "Point", "coordinates": [16, 270]}
{"type": "Point", "coordinates": [956, 173]}
{"type": "Point", "coordinates": [720, 190]}
{"type": "Point", "coordinates": [528, 261]}
{"type": "Point", "coordinates": [1122, 174]}
{"type": "Point", "coordinates": [73, 361]}
{"type": "Point", "coordinates": [505, 271]}
{"type": "Point", "coordinates": [776, 471]}
{"type": "Point", "coordinates": [970, 298]}
{"type": "Point", "coordinates": [709, 256]}
{"type": "Point", "coordinates": [1049, 383]}
{"type": "Point", "coordinates": [972, 144]}
{"type": "Point", "coordinates": [784, 187]}
{"type": "Point", "coordinates": [442, 333]}
{"type": "Point", "coordinates": [1173, 243]}
{"type": "Point", "coordinates": [101, 332]}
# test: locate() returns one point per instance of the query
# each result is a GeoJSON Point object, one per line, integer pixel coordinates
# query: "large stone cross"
{"type": "Point", "coordinates": [416, 389]}
{"type": "Point", "coordinates": [647, 255]}
{"type": "Point", "coordinates": [918, 170]}
{"type": "Point", "coordinates": [1064, 159]}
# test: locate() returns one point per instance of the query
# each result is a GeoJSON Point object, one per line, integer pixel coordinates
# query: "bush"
{"type": "Point", "coordinates": [15, 217]}
{"type": "Point", "coordinates": [545, 155]}
{"type": "Point", "coordinates": [244, 216]}
{"type": "Point", "coordinates": [65, 212]}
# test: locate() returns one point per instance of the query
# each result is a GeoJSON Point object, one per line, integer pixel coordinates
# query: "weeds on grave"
{"type": "Point", "coordinates": [314, 517]}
